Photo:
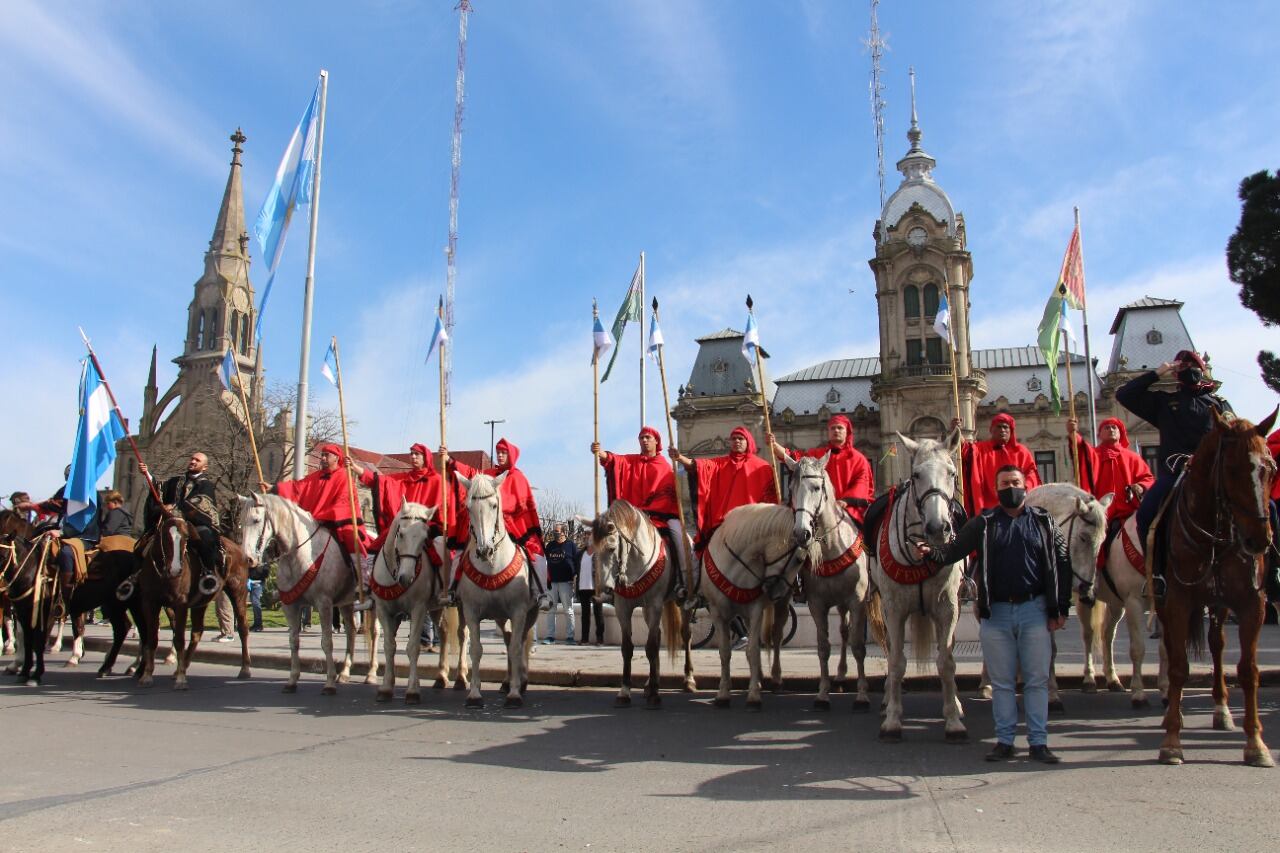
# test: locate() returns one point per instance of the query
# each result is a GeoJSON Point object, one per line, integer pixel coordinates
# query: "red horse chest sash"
{"type": "Point", "coordinates": [836, 565]}
{"type": "Point", "coordinates": [902, 573]}
{"type": "Point", "coordinates": [394, 591]}
{"type": "Point", "coordinates": [1131, 552]}
{"type": "Point", "coordinates": [648, 579]}
{"type": "Point", "coordinates": [492, 582]}
{"type": "Point", "coordinates": [299, 589]}
{"type": "Point", "coordinates": [736, 594]}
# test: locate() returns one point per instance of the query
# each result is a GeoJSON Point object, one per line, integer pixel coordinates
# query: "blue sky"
{"type": "Point", "coordinates": [731, 141]}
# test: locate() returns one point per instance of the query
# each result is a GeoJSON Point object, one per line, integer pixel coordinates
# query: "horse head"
{"type": "Point", "coordinates": [1082, 518]}
{"type": "Point", "coordinates": [811, 493]}
{"type": "Point", "coordinates": [1245, 469]}
{"type": "Point", "coordinates": [252, 521]}
{"type": "Point", "coordinates": [614, 543]}
{"type": "Point", "coordinates": [932, 486]}
{"type": "Point", "coordinates": [172, 535]}
{"type": "Point", "coordinates": [412, 526]}
{"type": "Point", "coordinates": [484, 506]}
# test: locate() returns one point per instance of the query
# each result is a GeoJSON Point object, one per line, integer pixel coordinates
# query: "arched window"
{"type": "Point", "coordinates": [233, 329]}
{"type": "Point", "coordinates": [244, 333]}
{"type": "Point", "coordinates": [197, 333]}
{"type": "Point", "coordinates": [211, 331]}
{"type": "Point", "coordinates": [930, 300]}
{"type": "Point", "coordinates": [911, 301]}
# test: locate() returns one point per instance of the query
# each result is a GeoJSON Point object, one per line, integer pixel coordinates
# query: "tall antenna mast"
{"type": "Point", "coordinates": [877, 46]}
{"type": "Point", "coordinates": [451, 252]}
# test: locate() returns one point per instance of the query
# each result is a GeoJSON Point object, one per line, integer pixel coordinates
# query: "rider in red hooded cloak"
{"type": "Point", "coordinates": [727, 482]}
{"type": "Point", "coordinates": [325, 495]}
{"type": "Point", "coordinates": [982, 459]}
{"type": "Point", "coordinates": [420, 485]}
{"type": "Point", "coordinates": [850, 472]}
{"type": "Point", "coordinates": [1112, 468]}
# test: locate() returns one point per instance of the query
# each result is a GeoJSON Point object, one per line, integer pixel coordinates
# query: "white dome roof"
{"type": "Point", "coordinates": [928, 195]}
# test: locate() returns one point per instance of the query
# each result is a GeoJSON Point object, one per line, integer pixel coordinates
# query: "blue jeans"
{"type": "Point", "coordinates": [255, 600]}
{"type": "Point", "coordinates": [1017, 636]}
{"type": "Point", "coordinates": [561, 592]}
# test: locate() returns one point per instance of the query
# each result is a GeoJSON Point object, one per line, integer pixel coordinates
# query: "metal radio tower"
{"type": "Point", "coordinates": [877, 46]}
{"type": "Point", "coordinates": [464, 8]}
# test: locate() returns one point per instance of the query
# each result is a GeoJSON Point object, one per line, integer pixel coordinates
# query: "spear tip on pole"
{"type": "Point", "coordinates": [750, 304]}
{"type": "Point", "coordinates": [655, 303]}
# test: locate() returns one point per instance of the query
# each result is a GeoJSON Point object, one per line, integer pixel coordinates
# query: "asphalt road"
{"type": "Point", "coordinates": [105, 765]}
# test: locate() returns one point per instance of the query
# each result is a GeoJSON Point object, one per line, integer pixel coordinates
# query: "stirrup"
{"type": "Point", "coordinates": [544, 602]}
{"type": "Point", "coordinates": [362, 605]}
{"type": "Point", "coordinates": [208, 584]}
{"type": "Point", "coordinates": [125, 591]}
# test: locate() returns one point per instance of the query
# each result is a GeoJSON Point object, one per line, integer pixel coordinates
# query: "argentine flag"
{"type": "Point", "coordinates": [942, 322]}
{"type": "Point", "coordinates": [329, 370]}
{"type": "Point", "coordinates": [751, 339]}
{"type": "Point", "coordinates": [228, 369]}
{"type": "Point", "coordinates": [95, 448]}
{"type": "Point", "coordinates": [292, 188]}
{"type": "Point", "coordinates": [438, 335]}
{"type": "Point", "coordinates": [602, 341]}
{"type": "Point", "coordinates": [655, 337]}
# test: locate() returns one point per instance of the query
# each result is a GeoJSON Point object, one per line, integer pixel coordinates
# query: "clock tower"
{"type": "Point", "coordinates": [921, 265]}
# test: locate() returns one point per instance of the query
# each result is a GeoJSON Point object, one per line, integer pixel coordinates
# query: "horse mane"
{"type": "Point", "coordinates": [624, 516]}
{"type": "Point", "coordinates": [762, 521]}
{"type": "Point", "coordinates": [487, 488]}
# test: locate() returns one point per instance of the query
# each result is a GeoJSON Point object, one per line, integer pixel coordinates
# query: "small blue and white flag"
{"type": "Point", "coordinates": [291, 189]}
{"type": "Point", "coordinates": [438, 335]}
{"type": "Point", "coordinates": [228, 368]}
{"type": "Point", "coordinates": [330, 367]}
{"type": "Point", "coordinates": [751, 339]}
{"type": "Point", "coordinates": [942, 322]}
{"type": "Point", "coordinates": [1065, 327]}
{"type": "Point", "coordinates": [95, 449]}
{"type": "Point", "coordinates": [655, 337]}
{"type": "Point", "coordinates": [601, 340]}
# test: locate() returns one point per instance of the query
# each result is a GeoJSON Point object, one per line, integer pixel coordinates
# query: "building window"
{"type": "Point", "coordinates": [1154, 337]}
{"type": "Point", "coordinates": [915, 352]}
{"type": "Point", "coordinates": [244, 334]}
{"type": "Point", "coordinates": [833, 396]}
{"type": "Point", "coordinates": [930, 300]}
{"type": "Point", "coordinates": [198, 332]}
{"type": "Point", "coordinates": [1047, 465]}
{"type": "Point", "coordinates": [1034, 384]}
{"type": "Point", "coordinates": [933, 350]}
{"type": "Point", "coordinates": [911, 301]}
{"type": "Point", "coordinates": [1151, 455]}
{"type": "Point", "coordinates": [211, 331]}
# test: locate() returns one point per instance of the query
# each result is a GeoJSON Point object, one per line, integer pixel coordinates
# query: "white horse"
{"type": "Point", "coordinates": [750, 566]}
{"type": "Point", "coordinates": [633, 562]}
{"type": "Point", "coordinates": [1121, 592]}
{"type": "Point", "coordinates": [311, 570]}
{"type": "Point", "coordinates": [919, 590]}
{"type": "Point", "coordinates": [405, 582]}
{"type": "Point", "coordinates": [496, 584]}
{"type": "Point", "coordinates": [841, 579]}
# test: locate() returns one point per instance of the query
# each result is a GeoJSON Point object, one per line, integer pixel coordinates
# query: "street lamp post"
{"type": "Point", "coordinates": [492, 424]}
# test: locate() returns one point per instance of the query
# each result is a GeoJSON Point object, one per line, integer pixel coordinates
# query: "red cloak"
{"type": "Point", "coordinates": [420, 486]}
{"type": "Point", "coordinates": [1273, 444]}
{"type": "Point", "coordinates": [646, 482]}
{"type": "Point", "coordinates": [727, 482]}
{"type": "Point", "coordinates": [1110, 468]}
{"type": "Point", "coordinates": [982, 459]}
{"type": "Point", "coordinates": [848, 469]}
{"type": "Point", "coordinates": [519, 511]}
{"type": "Point", "coordinates": [324, 494]}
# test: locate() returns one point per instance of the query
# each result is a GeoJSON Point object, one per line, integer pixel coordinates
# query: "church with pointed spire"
{"type": "Point", "coordinates": [198, 412]}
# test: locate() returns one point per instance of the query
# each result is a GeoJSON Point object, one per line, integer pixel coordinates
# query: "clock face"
{"type": "Point", "coordinates": [917, 237]}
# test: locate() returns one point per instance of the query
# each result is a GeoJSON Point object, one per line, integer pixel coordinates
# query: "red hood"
{"type": "Point", "coordinates": [848, 429]}
{"type": "Point", "coordinates": [1116, 422]}
{"type": "Point", "coordinates": [426, 454]}
{"type": "Point", "coordinates": [657, 436]}
{"type": "Point", "coordinates": [1003, 418]}
{"type": "Point", "coordinates": [513, 454]}
{"type": "Point", "coordinates": [751, 444]}
{"type": "Point", "coordinates": [335, 450]}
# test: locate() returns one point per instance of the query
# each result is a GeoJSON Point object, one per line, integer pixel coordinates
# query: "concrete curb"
{"type": "Point", "coordinates": [922, 682]}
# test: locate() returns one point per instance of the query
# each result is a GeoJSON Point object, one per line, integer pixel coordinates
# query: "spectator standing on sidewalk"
{"type": "Point", "coordinates": [562, 558]}
{"type": "Point", "coordinates": [255, 601]}
{"type": "Point", "coordinates": [584, 583]}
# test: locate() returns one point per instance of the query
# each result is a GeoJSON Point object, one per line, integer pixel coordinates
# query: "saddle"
{"type": "Point", "coordinates": [81, 555]}
{"type": "Point", "coordinates": [1156, 548]}
{"type": "Point", "coordinates": [106, 545]}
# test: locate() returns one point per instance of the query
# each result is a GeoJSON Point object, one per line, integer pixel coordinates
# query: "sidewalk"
{"type": "Point", "coordinates": [564, 665]}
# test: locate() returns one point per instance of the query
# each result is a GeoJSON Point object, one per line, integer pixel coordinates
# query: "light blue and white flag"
{"type": "Point", "coordinates": [655, 337]}
{"type": "Point", "coordinates": [330, 367]}
{"type": "Point", "coordinates": [438, 335]}
{"type": "Point", "coordinates": [942, 322]}
{"type": "Point", "coordinates": [601, 340]}
{"type": "Point", "coordinates": [1064, 325]}
{"type": "Point", "coordinates": [95, 448]}
{"type": "Point", "coordinates": [228, 368]}
{"type": "Point", "coordinates": [291, 189]}
{"type": "Point", "coordinates": [751, 339]}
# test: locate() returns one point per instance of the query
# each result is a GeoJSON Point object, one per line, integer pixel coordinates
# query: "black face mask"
{"type": "Point", "coordinates": [1191, 377]}
{"type": "Point", "coordinates": [1011, 497]}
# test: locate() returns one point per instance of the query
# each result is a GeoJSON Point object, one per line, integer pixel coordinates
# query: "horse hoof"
{"type": "Point", "coordinates": [1259, 758]}
{"type": "Point", "coordinates": [181, 685]}
{"type": "Point", "coordinates": [690, 686]}
{"type": "Point", "coordinates": [622, 702]}
{"type": "Point", "coordinates": [103, 673]}
{"type": "Point", "coordinates": [290, 688]}
{"type": "Point", "coordinates": [413, 698]}
{"type": "Point", "coordinates": [1140, 704]}
{"type": "Point", "coordinates": [1223, 723]}
{"type": "Point", "coordinates": [474, 702]}
{"type": "Point", "coordinates": [505, 687]}
{"type": "Point", "coordinates": [652, 703]}
{"type": "Point", "coordinates": [861, 706]}
{"type": "Point", "coordinates": [31, 682]}
{"type": "Point", "coordinates": [957, 736]}
{"type": "Point", "coordinates": [891, 735]}
{"type": "Point", "coordinates": [513, 702]}
{"type": "Point", "coordinates": [344, 678]}
{"type": "Point", "coordinates": [146, 681]}
{"type": "Point", "coordinates": [720, 703]}
{"type": "Point", "coordinates": [438, 684]}
{"type": "Point", "coordinates": [372, 678]}
{"type": "Point", "coordinates": [1088, 686]}
{"type": "Point", "coordinates": [1170, 756]}
{"type": "Point", "coordinates": [460, 684]}
{"type": "Point", "coordinates": [383, 697]}
{"type": "Point", "coordinates": [754, 705]}
{"type": "Point", "coordinates": [328, 690]}
{"type": "Point", "coordinates": [822, 704]}
{"type": "Point", "coordinates": [1057, 707]}
{"type": "Point", "coordinates": [775, 686]}
{"type": "Point", "coordinates": [984, 692]}
{"type": "Point", "coordinates": [1115, 687]}
{"type": "Point", "coordinates": [72, 662]}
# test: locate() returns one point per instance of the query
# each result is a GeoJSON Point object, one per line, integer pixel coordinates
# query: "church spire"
{"type": "Point", "coordinates": [917, 165]}
{"type": "Point", "coordinates": [149, 394]}
{"type": "Point", "coordinates": [229, 235]}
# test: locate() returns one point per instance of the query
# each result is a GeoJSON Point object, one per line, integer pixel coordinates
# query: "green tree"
{"type": "Point", "coordinates": [1253, 259]}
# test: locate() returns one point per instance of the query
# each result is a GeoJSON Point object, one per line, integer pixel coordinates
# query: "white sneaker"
{"type": "Point", "coordinates": [223, 638]}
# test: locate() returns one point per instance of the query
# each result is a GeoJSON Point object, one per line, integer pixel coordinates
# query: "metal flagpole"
{"type": "Point", "coordinates": [248, 423]}
{"type": "Point", "coordinates": [764, 407]}
{"type": "Point", "coordinates": [300, 418]}
{"type": "Point", "coordinates": [595, 398]}
{"type": "Point", "coordinates": [955, 379]}
{"type": "Point", "coordinates": [351, 486]}
{"type": "Point", "coordinates": [642, 343]}
{"type": "Point", "coordinates": [1088, 356]}
{"type": "Point", "coordinates": [671, 442]}
{"type": "Point", "coordinates": [445, 491]}
{"type": "Point", "coordinates": [1071, 407]}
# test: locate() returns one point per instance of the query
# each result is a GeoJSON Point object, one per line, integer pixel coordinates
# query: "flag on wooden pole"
{"type": "Point", "coordinates": [629, 311]}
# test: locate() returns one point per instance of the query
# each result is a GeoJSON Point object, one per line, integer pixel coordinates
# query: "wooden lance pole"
{"type": "Point", "coordinates": [1071, 407]}
{"type": "Point", "coordinates": [248, 423]}
{"type": "Point", "coordinates": [445, 491]}
{"type": "Point", "coordinates": [351, 484]}
{"type": "Point", "coordinates": [595, 402]}
{"type": "Point", "coordinates": [671, 442]}
{"type": "Point", "coordinates": [955, 380]}
{"type": "Point", "coordinates": [764, 407]}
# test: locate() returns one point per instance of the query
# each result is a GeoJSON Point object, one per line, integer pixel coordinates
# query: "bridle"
{"type": "Point", "coordinates": [267, 521]}
{"type": "Point", "coordinates": [1087, 588]}
{"type": "Point", "coordinates": [494, 535]}
{"type": "Point", "coordinates": [813, 514]}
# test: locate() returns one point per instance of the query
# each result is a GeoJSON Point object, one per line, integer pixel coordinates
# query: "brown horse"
{"type": "Point", "coordinates": [168, 578]}
{"type": "Point", "coordinates": [1216, 531]}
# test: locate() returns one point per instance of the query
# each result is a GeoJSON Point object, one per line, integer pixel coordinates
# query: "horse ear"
{"type": "Point", "coordinates": [955, 439]}
{"type": "Point", "coordinates": [583, 520]}
{"type": "Point", "coordinates": [826, 457]}
{"type": "Point", "coordinates": [911, 445]}
{"type": "Point", "coordinates": [497, 481]}
{"type": "Point", "coordinates": [1107, 499]}
{"type": "Point", "coordinates": [431, 512]}
{"type": "Point", "coordinates": [1081, 506]}
{"type": "Point", "coordinates": [789, 462]}
{"type": "Point", "coordinates": [465, 481]}
{"type": "Point", "coordinates": [1263, 429]}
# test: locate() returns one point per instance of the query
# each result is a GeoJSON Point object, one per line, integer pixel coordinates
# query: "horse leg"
{"type": "Point", "coordinates": [1137, 652]}
{"type": "Point", "coordinates": [775, 645]}
{"type": "Point", "coordinates": [472, 626]}
{"type": "Point", "coordinates": [387, 621]}
{"type": "Point", "coordinates": [464, 637]}
{"type": "Point", "coordinates": [413, 649]}
{"type": "Point", "coordinates": [1108, 641]}
{"type": "Point", "coordinates": [10, 634]}
{"type": "Point", "coordinates": [119, 628]}
{"type": "Point", "coordinates": [856, 630]}
{"type": "Point", "coordinates": [375, 628]}
{"type": "Point", "coordinates": [326, 648]}
{"type": "Point", "coordinates": [653, 616]}
{"type": "Point", "coordinates": [1089, 614]}
{"type": "Point", "coordinates": [628, 648]}
{"type": "Point", "coordinates": [1217, 640]}
{"type": "Point", "coordinates": [516, 646]}
{"type": "Point", "coordinates": [184, 649]}
{"type": "Point", "coordinates": [77, 640]}
{"type": "Point", "coordinates": [293, 616]}
{"type": "Point", "coordinates": [895, 624]}
{"type": "Point", "coordinates": [754, 623]}
{"type": "Point", "coordinates": [239, 592]}
{"type": "Point", "coordinates": [820, 611]}
{"type": "Point", "coordinates": [945, 615]}
{"type": "Point", "coordinates": [1256, 753]}
{"type": "Point", "coordinates": [442, 655]}
{"type": "Point", "coordinates": [349, 630]}
{"type": "Point", "coordinates": [725, 638]}
{"type": "Point", "coordinates": [16, 646]}
{"type": "Point", "coordinates": [1175, 619]}
{"type": "Point", "coordinates": [148, 639]}
{"type": "Point", "coordinates": [686, 638]}
{"type": "Point", "coordinates": [171, 659]}
{"type": "Point", "coordinates": [842, 669]}
{"type": "Point", "coordinates": [1056, 704]}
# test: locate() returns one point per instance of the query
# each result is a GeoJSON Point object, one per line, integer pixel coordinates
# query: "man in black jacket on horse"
{"type": "Point", "coordinates": [192, 496]}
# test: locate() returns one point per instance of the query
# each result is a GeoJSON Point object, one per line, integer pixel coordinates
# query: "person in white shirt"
{"type": "Point", "coordinates": [585, 588]}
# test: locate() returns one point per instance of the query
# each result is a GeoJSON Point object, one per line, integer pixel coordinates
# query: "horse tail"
{"type": "Point", "coordinates": [875, 620]}
{"type": "Point", "coordinates": [672, 628]}
{"type": "Point", "coordinates": [1195, 632]}
{"type": "Point", "coordinates": [921, 639]}
{"type": "Point", "coordinates": [766, 626]}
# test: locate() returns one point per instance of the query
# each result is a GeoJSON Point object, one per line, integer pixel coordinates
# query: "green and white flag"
{"type": "Point", "coordinates": [630, 310]}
